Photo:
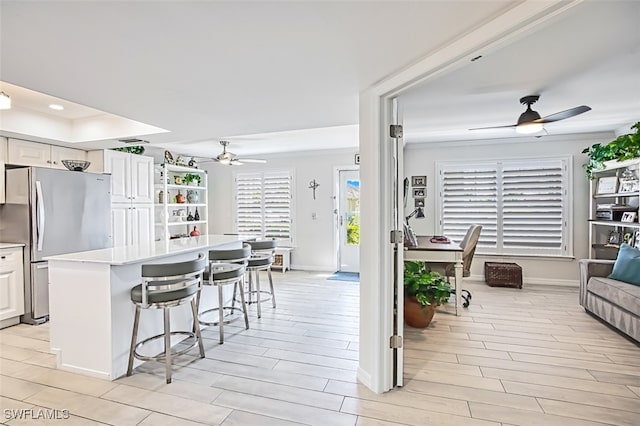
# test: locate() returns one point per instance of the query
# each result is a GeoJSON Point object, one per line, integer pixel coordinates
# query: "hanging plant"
{"type": "Point", "coordinates": [624, 147]}
{"type": "Point", "coordinates": [131, 149]}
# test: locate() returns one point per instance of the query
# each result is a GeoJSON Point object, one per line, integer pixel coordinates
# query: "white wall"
{"type": "Point", "coordinates": [315, 239]}
{"type": "Point", "coordinates": [420, 160]}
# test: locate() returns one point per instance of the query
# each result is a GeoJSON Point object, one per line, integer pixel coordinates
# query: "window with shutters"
{"type": "Point", "coordinates": [523, 206]}
{"type": "Point", "coordinates": [264, 206]}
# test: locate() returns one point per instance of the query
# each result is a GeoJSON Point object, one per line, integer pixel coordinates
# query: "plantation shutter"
{"type": "Point", "coordinates": [264, 205]}
{"type": "Point", "coordinates": [522, 206]}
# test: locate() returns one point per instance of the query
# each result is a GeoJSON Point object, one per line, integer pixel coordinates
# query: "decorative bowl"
{"type": "Point", "coordinates": [76, 165]}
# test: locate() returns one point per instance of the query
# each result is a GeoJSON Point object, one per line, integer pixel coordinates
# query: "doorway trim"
{"type": "Point", "coordinates": [375, 364]}
{"type": "Point", "coordinates": [336, 207]}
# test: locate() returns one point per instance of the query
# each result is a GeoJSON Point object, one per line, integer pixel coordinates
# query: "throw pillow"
{"type": "Point", "coordinates": [627, 266]}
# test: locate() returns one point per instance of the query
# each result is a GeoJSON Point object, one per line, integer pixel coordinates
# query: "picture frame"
{"type": "Point", "coordinates": [629, 186]}
{"type": "Point", "coordinates": [615, 237]}
{"type": "Point", "coordinates": [635, 242]}
{"type": "Point", "coordinates": [629, 217]}
{"type": "Point", "coordinates": [419, 202]}
{"type": "Point", "coordinates": [607, 185]}
{"type": "Point", "coordinates": [419, 181]}
{"type": "Point", "coordinates": [419, 192]}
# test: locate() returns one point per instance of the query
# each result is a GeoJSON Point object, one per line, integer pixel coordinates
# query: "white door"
{"type": "Point", "coordinates": [141, 179]}
{"type": "Point", "coordinates": [119, 165]}
{"type": "Point", "coordinates": [142, 224]}
{"type": "Point", "coordinates": [349, 220]}
{"type": "Point", "coordinates": [121, 224]}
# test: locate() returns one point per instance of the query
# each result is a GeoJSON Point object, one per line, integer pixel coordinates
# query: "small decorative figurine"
{"type": "Point", "coordinates": [195, 232]}
{"type": "Point", "coordinates": [197, 215]}
{"type": "Point", "coordinates": [314, 185]}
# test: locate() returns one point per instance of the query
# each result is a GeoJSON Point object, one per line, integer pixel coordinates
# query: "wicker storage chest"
{"type": "Point", "coordinates": [497, 274]}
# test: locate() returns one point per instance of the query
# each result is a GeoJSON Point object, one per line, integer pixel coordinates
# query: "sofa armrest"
{"type": "Point", "coordinates": [592, 268]}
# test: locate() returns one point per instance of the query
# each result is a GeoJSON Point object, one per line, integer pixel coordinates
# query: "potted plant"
{"type": "Point", "coordinates": [624, 147]}
{"type": "Point", "coordinates": [192, 177]}
{"type": "Point", "coordinates": [423, 291]}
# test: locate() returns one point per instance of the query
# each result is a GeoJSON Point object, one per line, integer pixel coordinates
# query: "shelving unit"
{"type": "Point", "coordinates": [172, 216]}
{"type": "Point", "coordinates": [604, 232]}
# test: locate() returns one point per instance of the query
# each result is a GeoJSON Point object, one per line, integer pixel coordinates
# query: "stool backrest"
{"type": "Point", "coordinates": [166, 277]}
{"type": "Point", "coordinates": [263, 245]}
{"type": "Point", "coordinates": [231, 256]}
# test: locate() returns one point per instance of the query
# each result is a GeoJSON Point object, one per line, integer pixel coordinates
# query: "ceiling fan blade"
{"type": "Point", "coordinates": [235, 163]}
{"type": "Point", "coordinates": [253, 160]}
{"type": "Point", "coordinates": [572, 112]}
{"type": "Point", "coordinates": [493, 127]}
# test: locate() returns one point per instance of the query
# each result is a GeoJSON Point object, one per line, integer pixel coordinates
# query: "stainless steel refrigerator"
{"type": "Point", "coordinates": [53, 212]}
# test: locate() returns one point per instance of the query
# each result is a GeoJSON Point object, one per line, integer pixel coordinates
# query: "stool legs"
{"type": "Point", "coordinates": [240, 285]}
{"type": "Point", "coordinates": [220, 313]}
{"type": "Point", "coordinates": [258, 294]}
{"type": "Point", "coordinates": [273, 294]}
{"type": "Point", "coordinates": [167, 344]}
{"type": "Point", "coordinates": [196, 326]}
{"type": "Point", "coordinates": [134, 337]}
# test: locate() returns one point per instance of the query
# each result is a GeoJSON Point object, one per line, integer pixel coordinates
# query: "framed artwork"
{"type": "Point", "coordinates": [629, 186]}
{"type": "Point", "coordinates": [628, 217]}
{"type": "Point", "coordinates": [607, 185]}
{"type": "Point", "coordinates": [419, 202]}
{"type": "Point", "coordinates": [419, 192]}
{"type": "Point", "coordinates": [636, 239]}
{"type": "Point", "coordinates": [615, 237]}
{"type": "Point", "coordinates": [418, 181]}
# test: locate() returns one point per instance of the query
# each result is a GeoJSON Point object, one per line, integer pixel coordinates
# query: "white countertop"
{"type": "Point", "coordinates": [154, 250]}
{"type": "Point", "coordinates": [10, 245]}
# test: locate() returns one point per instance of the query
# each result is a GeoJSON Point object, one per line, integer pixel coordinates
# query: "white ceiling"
{"type": "Point", "coordinates": [258, 73]}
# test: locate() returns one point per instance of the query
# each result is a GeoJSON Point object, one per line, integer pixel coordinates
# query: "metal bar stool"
{"type": "Point", "coordinates": [226, 267]}
{"type": "Point", "coordinates": [262, 254]}
{"type": "Point", "coordinates": [166, 286]}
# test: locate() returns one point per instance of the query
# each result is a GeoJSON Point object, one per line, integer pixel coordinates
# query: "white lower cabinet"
{"type": "Point", "coordinates": [132, 224]}
{"type": "Point", "coordinates": [11, 286]}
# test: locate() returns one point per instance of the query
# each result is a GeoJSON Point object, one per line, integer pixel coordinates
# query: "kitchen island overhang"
{"type": "Point", "coordinates": [91, 314]}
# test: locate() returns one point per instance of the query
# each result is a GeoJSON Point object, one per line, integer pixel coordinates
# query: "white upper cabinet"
{"type": "Point", "coordinates": [26, 153]}
{"type": "Point", "coordinates": [131, 175]}
{"type": "Point", "coordinates": [3, 160]}
{"type": "Point", "coordinates": [119, 165]}
{"type": "Point", "coordinates": [141, 179]}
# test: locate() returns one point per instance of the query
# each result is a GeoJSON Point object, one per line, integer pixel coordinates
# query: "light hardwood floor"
{"type": "Point", "coordinates": [525, 357]}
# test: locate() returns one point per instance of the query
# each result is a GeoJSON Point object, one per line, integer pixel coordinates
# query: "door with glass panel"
{"type": "Point", "coordinates": [349, 221]}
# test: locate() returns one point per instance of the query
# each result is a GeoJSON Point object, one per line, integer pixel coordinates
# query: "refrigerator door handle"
{"type": "Point", "coordinates": [39, 215]}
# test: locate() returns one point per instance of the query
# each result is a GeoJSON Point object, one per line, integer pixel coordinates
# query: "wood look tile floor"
{"type": "Point", "coordinates": [514, 357]}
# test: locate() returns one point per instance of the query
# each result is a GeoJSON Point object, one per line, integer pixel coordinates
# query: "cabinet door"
{"type": "Point", "coordinates": [141, 179]}
{"type": "Point", "coordinates": [3, 160]}
{"type": "Point", "coordinates": [119, 165]}
{"type": "Point", "coordinates": [11, 284]}
{"type": "Point", "coordinates": [25, 153]}
{"type": "Point", "coordinates": [59, 153]}
{"type": "Point", "coordinates": [142, 230]}
{"type": "Point", "coordinates": [121, 229]}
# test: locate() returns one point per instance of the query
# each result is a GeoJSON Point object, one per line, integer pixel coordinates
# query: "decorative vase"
{"type": "Point", "coordinates": [180, 198]}
{"type": "Point", "coordinates": [195, 232]}
{"type": "Point", "coordinates": [192, 196]}
{"type": "Point", "coordinates": [416, 315]}
{"type": "Point", "coordinates": [196, 216]}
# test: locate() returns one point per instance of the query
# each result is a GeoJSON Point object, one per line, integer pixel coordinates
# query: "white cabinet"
{"type": "Point", "coordinates": [613, 213]}
{"type": "Point", "coordinates": [132, 218]}
{"type": "Point", "coordinates": [131, 224]}
{"type": "Point", "coordinates": [11, 286]}
{"type": "Point", "coordinates": [26, 153]}
{"type": "Point", "coordinates": [181, 204]}
{"type": "Point", "coordinates": [3, 160]}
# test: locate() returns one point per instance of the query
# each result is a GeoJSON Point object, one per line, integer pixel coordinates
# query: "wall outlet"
{"type": "Point", "coordinates": [314, 216]}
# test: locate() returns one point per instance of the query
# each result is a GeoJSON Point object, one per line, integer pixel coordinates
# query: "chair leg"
{"type": "Point", "coordinates": [134, 337]}
{"type": "Point", "coordinates": [167, 344]}
{"type": "Point", "coordinates": [244, 306]}
{"type": "Point", "coordinates": [258, 293]}
{"type": "Point", "coordinates": [220, 314]}
{"type": "Point", "coordinates": [233, 299]}
{"type": "Point", "coordinates": [249, 300]}
{"type": "Point", "coordinates": [196, 327]}
{"type": "Point", "coordinates": [273, 293]}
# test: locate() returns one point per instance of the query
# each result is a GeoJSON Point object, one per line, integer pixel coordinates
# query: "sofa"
{"type": "Point", "coordinates": [616, 302]}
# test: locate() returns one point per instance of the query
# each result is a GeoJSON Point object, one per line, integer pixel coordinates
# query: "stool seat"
{"type": "Point", "coordinates": [161, 297]}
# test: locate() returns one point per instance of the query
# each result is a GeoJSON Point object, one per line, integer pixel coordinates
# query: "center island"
{"type": "Point", "coordinates": [91, 314]}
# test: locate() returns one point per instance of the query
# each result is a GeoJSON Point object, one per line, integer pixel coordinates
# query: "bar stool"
{"type": "Point", "coordinates": [166, 286]}
{"type": "Point", "coordinates": [226, 267]}
{"type": "Point", "coordinates": [262, 254]}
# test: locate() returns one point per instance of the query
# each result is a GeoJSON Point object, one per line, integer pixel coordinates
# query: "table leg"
{"type": "Point", "coordinates": [458, 286]}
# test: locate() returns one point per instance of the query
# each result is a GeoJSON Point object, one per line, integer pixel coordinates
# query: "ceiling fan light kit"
{"type": "Point", "coordinates": [231, 159]}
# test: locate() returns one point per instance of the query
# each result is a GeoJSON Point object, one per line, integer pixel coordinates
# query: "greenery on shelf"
{"type": "Point", "coordinates": [427, 286]}
{"type": "Point", "coordinates": [624, 147]}
{"type": "Point", "coordinates": [131, 149]}
{"type": "Point", "coordinates": [191, 177]}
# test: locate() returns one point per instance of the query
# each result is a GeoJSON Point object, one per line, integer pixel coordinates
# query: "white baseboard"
{"type": "Point", "coordinates": [532, 280]}
{"type": "Point", "coordinates": [313, 268]}
{"type": "Point", "coordinates": [364, 378]}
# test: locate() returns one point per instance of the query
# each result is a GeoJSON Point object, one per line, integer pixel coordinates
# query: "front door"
{"type": "Point", "coordinates": [349, 221]}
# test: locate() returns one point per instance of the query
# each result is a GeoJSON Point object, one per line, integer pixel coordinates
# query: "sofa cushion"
{"type": "Point", "coordinates": [627, 266]}
{"type": "Point", "coordinates": [619, 293]}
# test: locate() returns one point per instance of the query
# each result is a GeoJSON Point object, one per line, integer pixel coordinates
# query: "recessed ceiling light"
{"type": "Point", "coordinates": [56, 107]}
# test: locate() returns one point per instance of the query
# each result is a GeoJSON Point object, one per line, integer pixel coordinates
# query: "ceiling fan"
{"type": "Point", "coordinates": [530, 121]}
{"type": "Point", "coordinates": [231, 159]}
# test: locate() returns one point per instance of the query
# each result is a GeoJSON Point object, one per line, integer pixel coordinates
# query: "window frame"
{"type": "Point", "coordinates": [566, 246]}
{"type": "Point", "coordinates": [262, 174]}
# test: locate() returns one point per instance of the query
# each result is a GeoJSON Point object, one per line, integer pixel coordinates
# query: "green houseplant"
{"type": "Point", "coordinates": [423, 291]}
{"type": "Point", "coordinates": [624, 147]}
{"type": "Point", "coordinates": [192, 177]}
